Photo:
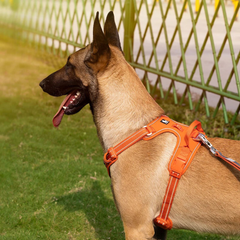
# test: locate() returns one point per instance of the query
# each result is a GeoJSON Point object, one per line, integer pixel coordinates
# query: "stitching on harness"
{"type": "Point", "coordinates": [124, 148]}
{"type": "Point", "coordinates": [165, 197]}
{"type": "Point", "coordinates": [125, 140]}
{"type": "Point", "coordinates": [190, 157]}
{"type": "Point", "coordinates": [172, 196]}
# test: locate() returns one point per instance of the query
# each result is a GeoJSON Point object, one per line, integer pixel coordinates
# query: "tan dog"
{"type": "Point", "coordinates": [208, 195]}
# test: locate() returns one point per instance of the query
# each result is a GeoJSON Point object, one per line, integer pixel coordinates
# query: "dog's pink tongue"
{"type": "Point", "coordinates": [59, 115]}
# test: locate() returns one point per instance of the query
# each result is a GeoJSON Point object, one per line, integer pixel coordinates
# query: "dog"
{"type": "Point", "coordinates": [208, 194]}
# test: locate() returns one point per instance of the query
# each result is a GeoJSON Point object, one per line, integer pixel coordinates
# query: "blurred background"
{"type": "Point", "coordinates": [188, 49]}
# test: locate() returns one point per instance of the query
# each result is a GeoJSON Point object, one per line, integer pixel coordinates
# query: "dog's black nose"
{"type": "Point", "coordinates": [42, 84]}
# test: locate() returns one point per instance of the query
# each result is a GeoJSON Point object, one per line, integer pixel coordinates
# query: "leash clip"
{"type": "Point", "coordinates": [201, 138]}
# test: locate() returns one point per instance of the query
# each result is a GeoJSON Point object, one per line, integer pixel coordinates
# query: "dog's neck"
{"type": "Point", "coordinates": [123, 105]}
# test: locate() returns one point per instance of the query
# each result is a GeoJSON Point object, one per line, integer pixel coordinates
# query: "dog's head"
{"type": "Point", "coordinates": [78, 78]}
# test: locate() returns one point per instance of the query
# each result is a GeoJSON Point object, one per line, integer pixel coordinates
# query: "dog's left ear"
{"type": "Point", "coordinates": [111, 31]}
{"type": "Point", "coordinates": [98, 56]}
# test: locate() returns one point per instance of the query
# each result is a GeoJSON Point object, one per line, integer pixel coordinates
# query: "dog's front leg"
{"type": "Point", "coordinates": [138, 192]}
{"type": "Point", "coordinates": [138, 220]}
{"type": "Point", "coordinates": [138, 225]}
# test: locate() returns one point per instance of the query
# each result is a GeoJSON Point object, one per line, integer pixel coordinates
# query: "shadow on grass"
{"type": "Point", "coordinates": [100, 212]}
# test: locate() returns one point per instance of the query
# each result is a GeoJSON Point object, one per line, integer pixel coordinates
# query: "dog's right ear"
{"type": "Point", "coordinates": [111, 32]}
{"type": "Point", "coordinates": [98, 56]}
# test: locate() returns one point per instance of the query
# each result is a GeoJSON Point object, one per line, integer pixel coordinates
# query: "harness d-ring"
{"type": "Point", "coordinates": [150, 130]}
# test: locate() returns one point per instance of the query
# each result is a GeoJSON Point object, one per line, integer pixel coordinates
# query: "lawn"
{"type": "Point", "coordinates": [53, 182]}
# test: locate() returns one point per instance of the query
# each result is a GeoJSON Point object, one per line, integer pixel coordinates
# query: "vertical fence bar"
{"type": "Point", "coordinates": [128, 29]}
{"type": "Point", "coordinates": [194, 33]}
{"type": "Point", "coordinates": [218, 57]}
{"type": "Point", "coordinates": [215, 59]}
{"type": "Point", "coordinates": [231, 46]}
{"type": "Point", "coordinates": [203, 95]}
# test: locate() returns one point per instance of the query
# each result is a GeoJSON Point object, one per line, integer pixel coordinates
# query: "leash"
{"type": "Point", "coordinates": [189, 139]}
{"type": "Point", "coordinates": [215, 152]}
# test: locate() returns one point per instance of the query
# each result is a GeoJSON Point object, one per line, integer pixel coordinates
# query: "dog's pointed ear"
{"type": "Point", "coordinates": [111, 31]}
{"type": "Point", "coordinates": [98, 56]}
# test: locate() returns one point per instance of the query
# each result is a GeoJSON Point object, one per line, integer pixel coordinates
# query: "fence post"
{"type": "Point", "coordinates": [128, 29]}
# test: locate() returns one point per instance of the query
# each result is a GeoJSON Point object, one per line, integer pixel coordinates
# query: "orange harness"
{"type": "Point", "coordinates": [189, 139]}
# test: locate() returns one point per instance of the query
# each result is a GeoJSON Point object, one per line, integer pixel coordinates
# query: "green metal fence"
{"type": "Point", "coordinates": [186, 49]}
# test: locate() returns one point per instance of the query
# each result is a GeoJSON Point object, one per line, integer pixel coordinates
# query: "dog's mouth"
{"type": "Point", "coordinates": [72, 104]}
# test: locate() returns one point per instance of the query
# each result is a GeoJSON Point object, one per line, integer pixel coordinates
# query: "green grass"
{"type": "Point", "coordinates": [53, 182]}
